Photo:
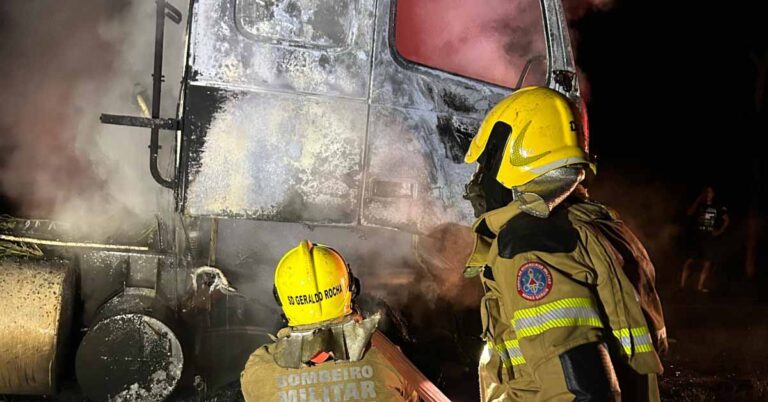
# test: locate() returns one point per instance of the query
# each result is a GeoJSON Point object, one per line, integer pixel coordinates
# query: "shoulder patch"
{"type": "Point", "coordinates": [534, 281]}
{"type": "Point", "coordinates": [524, 233]}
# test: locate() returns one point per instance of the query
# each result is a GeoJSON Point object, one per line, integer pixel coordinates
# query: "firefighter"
{"type": "Point", "coordinates": [570, 311]}
{"type": "Point", "coordinates": [329, 352]}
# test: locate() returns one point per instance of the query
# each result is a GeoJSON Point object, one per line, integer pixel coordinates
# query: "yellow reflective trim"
{"type": "Point", "coordinates": [628, 350]}
{"type": "Point", "coordinates": [639, 338]}
{"type": "Point", "coordinates": [639, 349]}
{"type": "Point", "coordinates": [624, 332]}
{"type": "Point", "coordinates": [516, 361]}
{"type": "Point", "coordinates": [502, 351]}
{"type": "Point", "coordinates": [644, 348]}
{"type": "Point", "coordinates": [559, 323]}
{"type": "Point", "coordinates": [562, 303]}
{"type": "Point", "coordinates": [514, 344]}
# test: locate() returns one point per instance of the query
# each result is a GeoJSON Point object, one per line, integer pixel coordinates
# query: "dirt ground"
{"type": "Point", "coordinates": [718, 352]}
{"type": "Point", "coordinates": [719, 349]}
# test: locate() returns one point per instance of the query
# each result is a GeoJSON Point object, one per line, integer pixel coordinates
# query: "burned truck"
{"type": "Point", "coordinates": [340, 121]}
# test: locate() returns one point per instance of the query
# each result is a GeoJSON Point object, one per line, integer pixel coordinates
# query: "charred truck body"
{"type": "Point", "coordinates": [332, 120]}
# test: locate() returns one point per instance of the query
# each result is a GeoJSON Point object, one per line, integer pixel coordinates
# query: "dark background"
{"type": "Point", "coordinates": [673, 89]}
{"type": "Point", "coordinates": [674, 106]}
{"type": "Point", "coordinates": [677, 102]}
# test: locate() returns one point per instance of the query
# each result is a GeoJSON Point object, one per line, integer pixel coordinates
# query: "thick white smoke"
{"type": "Point", "coordinates": [64, 63]}
{"type": "Point", "coordinates": [491, 40]}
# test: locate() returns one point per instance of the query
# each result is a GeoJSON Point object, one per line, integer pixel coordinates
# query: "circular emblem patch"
{"type": "Point", "coordinates": [534, 281]}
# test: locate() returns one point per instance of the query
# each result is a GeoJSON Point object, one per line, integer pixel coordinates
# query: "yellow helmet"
{"type": "Point", "coordinates": [313, 284]}
{"type": "Point", "coordinates": [542, 135]}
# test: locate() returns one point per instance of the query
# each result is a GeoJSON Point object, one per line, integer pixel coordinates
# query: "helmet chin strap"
{"type": "Point", "coordinates": [541, 195]}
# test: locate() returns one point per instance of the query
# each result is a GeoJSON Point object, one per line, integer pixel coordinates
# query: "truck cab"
{"type": "Point", "coordinates": [344, 122]}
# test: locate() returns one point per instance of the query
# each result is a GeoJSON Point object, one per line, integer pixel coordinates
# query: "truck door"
{"type": "Point", "coordinates": [275, 109]}
{"type": "Point", "coordinates": [438, 67]}
{"type": "Point", "coordinates": [352, 112]}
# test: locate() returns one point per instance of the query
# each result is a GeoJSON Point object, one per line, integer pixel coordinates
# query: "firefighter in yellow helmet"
{"type": "Point", "coordinates": [329, 352]}
{"type": "Point", "coordinates": [570, 311]}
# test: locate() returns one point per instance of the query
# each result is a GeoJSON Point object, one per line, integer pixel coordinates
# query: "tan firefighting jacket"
{"type": "Point", "coordinates": [552, 284]}
{"type": "Point", "coordinates": [369, 377]}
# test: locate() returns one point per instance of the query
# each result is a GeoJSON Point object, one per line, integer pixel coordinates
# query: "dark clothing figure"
{"type": "Point", "coordinates": [708, 219]}
{"type": "Point", "coordinates": [711, 219]}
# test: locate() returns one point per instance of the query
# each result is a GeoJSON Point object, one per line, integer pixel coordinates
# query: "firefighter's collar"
{"type": "Point", "coordinates": [496, 219]}
{"type": "Point", "coordinates": [486, 228]}
{"type": "Point", "coordinates": [346, 340]}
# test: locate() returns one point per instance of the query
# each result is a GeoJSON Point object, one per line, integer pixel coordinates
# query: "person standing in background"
{"type": "Point", "coordinates": [711, 220]}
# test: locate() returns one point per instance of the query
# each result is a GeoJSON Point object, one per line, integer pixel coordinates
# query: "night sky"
{"type": "Point", "coordinates": [673, 89]}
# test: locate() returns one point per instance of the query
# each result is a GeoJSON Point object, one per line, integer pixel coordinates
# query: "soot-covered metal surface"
{"type": "Point", "coordinates": [280, 157]}
{"type": "Point", "coordinates": [301, 111]}
{"type": "Point", "coordinates": [291, 46]}
{"type": "Point", "coordinates": [129, 357]}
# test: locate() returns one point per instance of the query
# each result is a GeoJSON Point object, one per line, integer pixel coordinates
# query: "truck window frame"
{"type": "Point", "coordinates": [424, 69]}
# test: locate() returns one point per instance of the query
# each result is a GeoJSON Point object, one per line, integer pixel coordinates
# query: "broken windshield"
{"type": "Point", "coordinates": [487, 40]}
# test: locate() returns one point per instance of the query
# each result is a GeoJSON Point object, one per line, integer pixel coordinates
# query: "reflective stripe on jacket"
{"type": "Point", "coordinates": [552, 284]}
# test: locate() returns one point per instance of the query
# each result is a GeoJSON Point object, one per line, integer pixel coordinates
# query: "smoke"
{"type": "Point", "coordinates": [64, 63]}
{"type": "Point", "coordinates": [492, 42]}
{"type": "Point", "coordinates": [651, 208]}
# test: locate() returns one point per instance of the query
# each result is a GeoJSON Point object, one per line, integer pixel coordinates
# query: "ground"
{"type": "Point", "coordinates": [718, 352]}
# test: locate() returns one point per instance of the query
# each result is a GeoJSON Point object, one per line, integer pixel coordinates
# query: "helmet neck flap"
{"type": "Point", "coordinates": [541, 195]}
{"type": "Point", "coordinates": [346, 340]}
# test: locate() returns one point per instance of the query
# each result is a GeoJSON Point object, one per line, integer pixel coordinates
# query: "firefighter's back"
{"type": "Point", "coordinates": [371, 378]}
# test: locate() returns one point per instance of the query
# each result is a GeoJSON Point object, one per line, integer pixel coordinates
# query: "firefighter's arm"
{"type": "Point", "coordinates": [646, 285]}
{"type": "Point", "coordinates": [416, 382]}
{"type": "Point", "coordinates": [251, 380]}
{"type": "Point", "coordinates": [621, 305]}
